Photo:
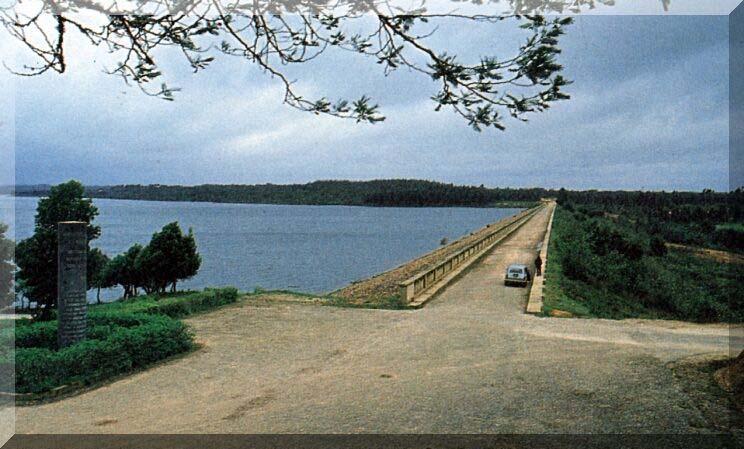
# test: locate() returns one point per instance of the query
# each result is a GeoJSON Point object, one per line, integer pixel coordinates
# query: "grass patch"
{"type": "Point", "coordinates": [383, 302]}
{"type": "Point", "coordinates": [555, 296]}
{"type": "Point", "coordinates": [174, 305]}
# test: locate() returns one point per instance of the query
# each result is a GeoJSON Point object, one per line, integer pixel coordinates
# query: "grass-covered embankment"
{"type": "Point", "coordinates": [392, 302]}
{"type": "Point", "coordinates": [608, 267]}
{"type": "Point", "coordinates": [122, 337]}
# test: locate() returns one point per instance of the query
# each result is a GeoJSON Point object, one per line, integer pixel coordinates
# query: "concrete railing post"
{"type": "Point", "coordinates": [407, 292]}
{"type": "Point", "coordinates": [72, 285]}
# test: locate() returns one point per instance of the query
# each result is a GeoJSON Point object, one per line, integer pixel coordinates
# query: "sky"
{"type": "Point", "coordinates": [649, 110]}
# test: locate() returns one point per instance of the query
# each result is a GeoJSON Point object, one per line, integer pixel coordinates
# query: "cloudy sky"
{"type": "Point", "coordinates": [649, 110]}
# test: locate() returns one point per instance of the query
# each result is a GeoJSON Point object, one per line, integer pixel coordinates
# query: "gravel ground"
{"type": "Point", "coordinates": [469, 362]}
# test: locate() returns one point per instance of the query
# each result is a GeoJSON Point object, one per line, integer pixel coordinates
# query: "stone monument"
{"type": "Point", "coordinates": [72, 304]}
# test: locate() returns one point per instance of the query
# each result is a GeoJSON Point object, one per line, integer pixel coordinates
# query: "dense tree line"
{"type": "Point", "coordinates": [413, 192]}
{"type": "Point", "coordinates": [169, 257]}
{"type": "Point", "coordinates": [383, 192]}
{"type": "Point", "coordinates": [681, 207]}
{"type": "Point", "coordinates": [709, 219]}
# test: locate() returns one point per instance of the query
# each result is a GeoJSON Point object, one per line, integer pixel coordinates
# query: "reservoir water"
{"type": "Point", "coordinates": [308, 248]}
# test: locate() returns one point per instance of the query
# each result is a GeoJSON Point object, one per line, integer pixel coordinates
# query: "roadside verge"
{"type": "Point", "coordinates": [535, 301]}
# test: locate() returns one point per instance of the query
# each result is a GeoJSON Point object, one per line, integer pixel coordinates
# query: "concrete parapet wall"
{"type": "Point", "coordinates": [422, 286]}
{"type": "Point", "coordinates": [535, 302]}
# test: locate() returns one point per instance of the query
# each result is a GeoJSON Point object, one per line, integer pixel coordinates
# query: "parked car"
{"type": "Point", "coordinates": [517, 274]}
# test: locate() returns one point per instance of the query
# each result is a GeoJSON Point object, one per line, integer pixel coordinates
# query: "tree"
{"type": "Point", "coordinates": [169, 257]}
{"type": "Point", "coordinates": [122, 270]}
{"type": "Point", "coordinates": [37, 256]}
{"type": "Point", "coordinates": [97, 263]}
{"type": "Point", "coordinates": [21, 292]}
{"type": "Point", "coordinates": [276, 34]}
{"type": "Point", "coordinates": [189, 260]}
{"type": "Point", "coordinates": [7, 268]}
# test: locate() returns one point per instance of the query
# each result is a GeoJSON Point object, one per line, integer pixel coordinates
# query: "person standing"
{"type": "Point", "coordinates": [538, 265]}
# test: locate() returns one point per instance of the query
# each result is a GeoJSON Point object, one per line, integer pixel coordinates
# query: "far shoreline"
{"type": "Point", "coordinates": [402, 193]}
{"type": "Point", "coordinates": [501, 205]}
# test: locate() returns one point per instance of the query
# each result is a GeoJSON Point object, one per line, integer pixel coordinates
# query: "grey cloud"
{"type": "Point", "coordinates": [648, 111]}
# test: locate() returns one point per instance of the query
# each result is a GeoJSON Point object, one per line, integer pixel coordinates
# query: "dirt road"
{"type": "Point", "coordinates": [468, 362]}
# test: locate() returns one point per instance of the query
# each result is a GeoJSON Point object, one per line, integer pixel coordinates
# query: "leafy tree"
{"type": "Point", "coordinates": [169, 257]}
{"type": "Point", "coordinates": [21, 292]}
{"type": "Point", "coordinates": [276, 34]}
{"type": "Point", "coordinates": [122, 270]}
{"type": "Point", "coordinates": [7, 249]}
{"type": "Point", "coordinates": [97, 263]}
{"type": "Point", "coordinates": [37, 256]}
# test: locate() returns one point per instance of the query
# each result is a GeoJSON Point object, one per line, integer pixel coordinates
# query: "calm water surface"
{"type": "Point", "coordinates": [309, 248]}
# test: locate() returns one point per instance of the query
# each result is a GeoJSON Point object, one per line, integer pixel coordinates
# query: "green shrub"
{"type": "Point", "coordinates": [658, 247]}
{"type": "Point", "coordinates": [206, 300]}
{"type": "Point", "coordinates": [731, 238]}
{"type": "Point", "coordinates": [38, 335]}
{"type": "Point", "coordinates": [176, 305]}
{"type": "Point", "coordinates": [122, 336]}
{"type": "Point", "coordinates": [33, 367]}
{"type": "Point", "coordinates": [118, 318]}
{"type": "Point", "coordinates": [111, 349]}
{"type": "Point", "coordinates": [614, 270]}
{"type": "Point", "coordinates": [685, 234]}
{"type": "Point", "coordinates": [43, 334]}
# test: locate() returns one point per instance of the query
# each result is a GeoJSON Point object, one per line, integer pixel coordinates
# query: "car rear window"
{"type": "Point", "coordinates": [515, 271]}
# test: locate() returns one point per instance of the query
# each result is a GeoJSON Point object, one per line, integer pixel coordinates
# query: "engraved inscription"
{"type": "Point", "coordinates": [72, 283]}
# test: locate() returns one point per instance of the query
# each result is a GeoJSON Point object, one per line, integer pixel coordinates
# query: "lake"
{"type": "Point", "coordinates": [309, 248]}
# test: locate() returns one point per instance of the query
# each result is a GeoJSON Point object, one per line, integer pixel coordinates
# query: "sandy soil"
{"type": "Point", "coordinates": [469, 362]}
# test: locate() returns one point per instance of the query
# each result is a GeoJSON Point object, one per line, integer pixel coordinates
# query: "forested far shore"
{"type": "Point", "coordinates": [380, 193]}
{"type": "Point", "coordinates": [390, 193]}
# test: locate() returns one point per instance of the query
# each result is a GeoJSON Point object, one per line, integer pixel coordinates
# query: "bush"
{"type": "Point", "coordinates": [206, 300]}
{"type": "Point", "coordinates": [658, 247]}
{"type": "Point", "coordinates": [614, 270]}
{"type": "Point", "coordinates": [38, 335]}
{"type": "Point", "coordinates": [729, 238]}
{"type": "Point", "coordinates": [683, 234]}
{"type": "Point", "coordinates": [122, 336]}
{"type": "Point", "coordinates": [176, 305]}
{"type": "Point", "coordinates": [43, 334]}
{"type": "Point", "coordinates": [116, 349]}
